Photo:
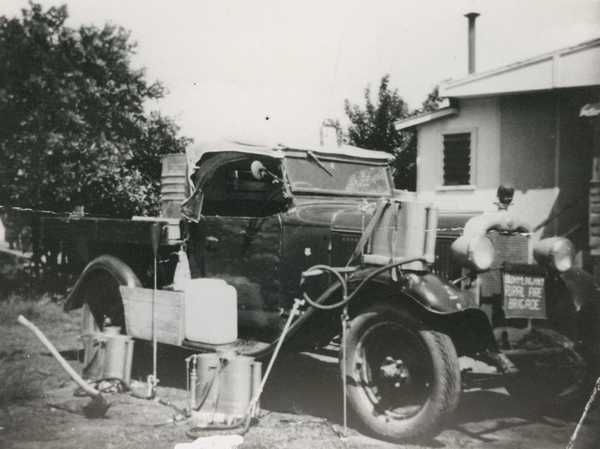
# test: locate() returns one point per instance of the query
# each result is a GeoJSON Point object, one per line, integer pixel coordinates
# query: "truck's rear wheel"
{"type": "Point", "coordinates": [402, 378]}
{"type": "Point", "coordinates": [102, 300]}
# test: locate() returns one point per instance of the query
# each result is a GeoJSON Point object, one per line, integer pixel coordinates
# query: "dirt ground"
{"type": "Point", "coordinates": [301, 406]}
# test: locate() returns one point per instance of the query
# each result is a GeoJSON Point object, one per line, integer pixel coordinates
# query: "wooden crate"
{"type": "Point", "coordinates": [174, 187]}
{"type": "Point", "coordinates": [170, 314]}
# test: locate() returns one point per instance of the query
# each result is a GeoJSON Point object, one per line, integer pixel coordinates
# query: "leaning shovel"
{"type": "Point", "coordinates": [98, 406]}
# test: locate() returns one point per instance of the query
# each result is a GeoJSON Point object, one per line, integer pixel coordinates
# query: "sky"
{"type": "Point", "coordinates": [272, 70]}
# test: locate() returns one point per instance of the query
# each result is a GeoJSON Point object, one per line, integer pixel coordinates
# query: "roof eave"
{"type": "Point", "coordinates": [420, 119]}
{"type": "Point", "coordinates": [456, 88]}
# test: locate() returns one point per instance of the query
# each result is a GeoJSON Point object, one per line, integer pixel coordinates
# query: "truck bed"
{"type": "Point", "coordinates": [110, 230]}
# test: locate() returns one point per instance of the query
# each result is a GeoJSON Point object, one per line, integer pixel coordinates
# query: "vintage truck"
{"type": "Point", "coordinates": [325, 224]}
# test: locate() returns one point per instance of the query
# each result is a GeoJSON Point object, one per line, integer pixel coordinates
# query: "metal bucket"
{"type": "Point", "coordinates": [107, 356]}
{"type": "Point", "coordinates": [222, 386]}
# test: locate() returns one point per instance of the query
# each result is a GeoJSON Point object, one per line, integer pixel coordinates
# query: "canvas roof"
{"type": "Point", "coordinates": [197, 151]}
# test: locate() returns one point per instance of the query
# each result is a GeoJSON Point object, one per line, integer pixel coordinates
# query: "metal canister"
{"type": "Point", "coordinates": [107, 355]}
{"type": "Point", "coordinates": [223, 384]}
{"type": "Point", "coordinates": [119, 356]}
{"type": "Point", "coordinates": [206, 387]}
{"type": "Point", "coordinates": [235, 389]}
{"type": "Point", "coordinates": [256, 381]}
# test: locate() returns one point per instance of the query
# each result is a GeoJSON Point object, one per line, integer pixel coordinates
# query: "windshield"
{"type": "Point", "coordinates": [324, 175]}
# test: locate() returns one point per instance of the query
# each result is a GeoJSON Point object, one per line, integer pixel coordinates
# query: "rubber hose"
{"type": "Point", "coordinates": [346, 298]}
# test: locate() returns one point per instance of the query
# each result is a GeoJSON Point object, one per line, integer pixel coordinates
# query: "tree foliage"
{"type": "Point", "coordinates": [372, 126]}
{"type": "Point", "coordinates": [432, 102]}
{"type": "Point", "coordinates": [73, 129]}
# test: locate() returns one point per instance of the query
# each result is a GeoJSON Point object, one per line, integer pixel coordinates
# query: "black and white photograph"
{"type": "Point", "coordinates": [299, 224]}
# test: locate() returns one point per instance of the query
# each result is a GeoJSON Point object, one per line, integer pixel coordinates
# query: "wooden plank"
{"type": "Point", "coordinates": [594, 243]}
{"type": "Point", "coordinates": [594, 219]}
{"type": "Point", "coordinates": [4, 248]}
{"type": "Point", "coordinates": [170, 308]}
{"type": "Point", "coordinates": [595, 169]}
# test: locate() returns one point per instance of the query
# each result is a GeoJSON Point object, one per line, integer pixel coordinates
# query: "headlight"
{"type": "Point", "coordinates": [474, 252]}
{"type": "Point", "coordinates": [554, 251]}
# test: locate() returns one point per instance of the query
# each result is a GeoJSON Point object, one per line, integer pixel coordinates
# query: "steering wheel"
{"type": "Point", "coordinates": [270, 199]}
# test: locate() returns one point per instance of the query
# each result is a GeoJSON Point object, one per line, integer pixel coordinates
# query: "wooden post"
{"type": "Point", "coordinates": [36, 244]}
{"type": "Point", "coordinates": [594, 203]}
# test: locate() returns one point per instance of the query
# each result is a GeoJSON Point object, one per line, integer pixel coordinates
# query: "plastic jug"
{"type": "Point", "coordinates": [210, 311]}
{"type": "Point", "coordinates": [182, 271]}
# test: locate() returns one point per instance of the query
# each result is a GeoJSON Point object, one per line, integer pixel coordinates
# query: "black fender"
{"type": "Point", "coordinates": [118, 269]}
{"type": "Point", "coordinates": [422, 293]}
{"type": "Point", "coordinates": [425, 289]}
{"type": "Point", "coordinates": [440, 304]}
{"type": "Point", "coordinates": [436, 295]}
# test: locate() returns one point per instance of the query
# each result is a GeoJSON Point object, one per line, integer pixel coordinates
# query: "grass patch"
{"type": "Point", "coordinates": [40, 311]}
{"type": "Point", "coordinates": [26, 367]}
{"type": "Point", "coordinates": [19, 382]}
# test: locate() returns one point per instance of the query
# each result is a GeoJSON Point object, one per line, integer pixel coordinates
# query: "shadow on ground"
{"type": "Point", "coordinates": [303, 384]}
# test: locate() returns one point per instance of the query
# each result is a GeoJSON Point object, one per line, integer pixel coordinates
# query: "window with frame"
{"type": "Point", "coordinates": [457, 159]}
{"type": "Point", "coordinates": [233, 192]}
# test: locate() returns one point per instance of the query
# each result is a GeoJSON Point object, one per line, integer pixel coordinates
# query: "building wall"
{"type": "Point", "coordinates": [544, 143]}
{"type": "Point", "coordinates": [481, 117]}
{"type": "Point", "coordinates": [528, 154]}
{"type": "Point", "coordinates": [574, 165]}
{"type": "Point", "coordinates": [536, 142]}
{"type": "Point", "coordinates": [528, 132]}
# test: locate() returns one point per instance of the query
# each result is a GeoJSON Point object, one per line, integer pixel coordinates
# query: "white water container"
{"type": "Point", "coordinates": [210, 311]}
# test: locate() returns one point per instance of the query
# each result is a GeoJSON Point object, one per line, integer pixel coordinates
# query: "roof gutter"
{"type": "Point", "coordinates": [420, 119]}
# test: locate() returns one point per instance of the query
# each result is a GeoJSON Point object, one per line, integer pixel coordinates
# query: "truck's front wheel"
{"type": "Point", "coordinates": [402, 378]}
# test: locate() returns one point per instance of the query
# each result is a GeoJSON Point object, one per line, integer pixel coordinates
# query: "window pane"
{"type": "Point", "coordinates": [457, 159]}
{"type": "Point", "coordinates": [341, 177]}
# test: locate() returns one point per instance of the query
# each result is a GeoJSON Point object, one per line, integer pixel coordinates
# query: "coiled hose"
{"type": "Point", "coordinates": [346, 298]}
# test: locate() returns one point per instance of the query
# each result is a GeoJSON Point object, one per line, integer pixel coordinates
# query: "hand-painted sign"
{"type": "Point", "coordinates": [523, 296]}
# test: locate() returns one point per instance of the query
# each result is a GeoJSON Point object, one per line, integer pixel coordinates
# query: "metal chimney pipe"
{"type": "Point", "coordinates": [471, 16]}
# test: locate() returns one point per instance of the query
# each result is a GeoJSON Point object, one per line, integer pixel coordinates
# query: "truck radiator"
{"type": "Point", "coordinates": [512, 248]}
{"type": "Point", "coordinates": [343, 244]}
{"type": "Point", "coordinates": [445, 266]}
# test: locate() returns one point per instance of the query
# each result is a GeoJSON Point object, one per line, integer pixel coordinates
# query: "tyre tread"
{"type": "Point", "coordinates": [448, 383]}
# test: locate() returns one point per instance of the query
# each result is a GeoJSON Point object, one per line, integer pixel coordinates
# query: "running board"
{"type": "Point", "coordinates": [240, 346]}
{"type": "Point", "coordinates": [485, 381]}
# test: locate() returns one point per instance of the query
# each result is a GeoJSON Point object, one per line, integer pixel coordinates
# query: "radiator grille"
{"type": "Point", "coordinates": [342, 245]}
{"type": "Point", "coordinates": [445, 266]}
{"type": "Point", "coordinates": [512, 248]}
